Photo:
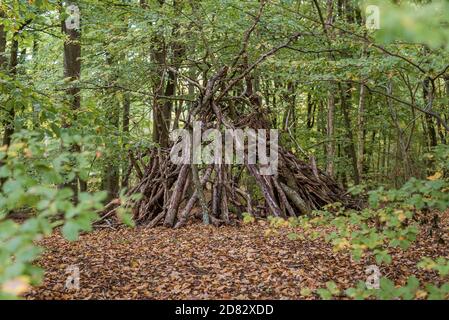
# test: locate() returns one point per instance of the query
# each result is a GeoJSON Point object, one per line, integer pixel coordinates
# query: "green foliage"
{"type": "Point", "coordinates": [124, 211]}
{"type": "Point", "coordinates": [330, 291]}
{"type": "Point", "coordinates": [30, 173]}
{"type": "Point", "coordinates": [389, 221]}
{"type": "Point", "coordinates": [248, 218]}
{"type": "Point", "coordinates": [441, 265]}
{"type": "Point", "coordinates": [423, 23]}
{"type": "Point", "coordinates": [119, 39]}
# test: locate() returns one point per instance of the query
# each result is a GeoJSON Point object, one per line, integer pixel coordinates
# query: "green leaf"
{"type": "Point", "coordinates": [70, 230]}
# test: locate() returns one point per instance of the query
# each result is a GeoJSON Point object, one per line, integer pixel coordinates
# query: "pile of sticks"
{"type": "Point", "coordinates": [172, 193]}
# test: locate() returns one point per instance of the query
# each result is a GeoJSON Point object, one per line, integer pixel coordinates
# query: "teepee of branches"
{"type": "Point", "coordinates": [171, 193]}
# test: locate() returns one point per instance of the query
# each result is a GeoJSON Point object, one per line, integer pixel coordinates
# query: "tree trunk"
{"type": "Point", "coordinates": [125, 131]}
{"type": "Point", "coordinates": [330, 148]}
{"type": "Point", "coordinates": [166, 112]}
{"type": "Point", "coordinates": [350, 148]}
{"type": "Point", "coordinates": [161, 118]}
{"type": "Point", "coordinates": [311, 105]}
{"type": "Point", "coordinates": [2, 42]}
{"type": "Point", "coordinates": [428, 93]}
{"type": "Point", "coordinates": [330, 145]}
{"type": "Point", "coordinates": [361, 130]}
{"type": "Point", "coordinates": [158, 120]}
{"type": "Point", "coordinates": [72, 73]}
{"type": "Point", "coordinates": [8, 122]}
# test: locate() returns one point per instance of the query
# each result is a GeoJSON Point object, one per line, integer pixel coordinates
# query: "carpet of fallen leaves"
{"type": "Point", "coordinates": [202, 262]}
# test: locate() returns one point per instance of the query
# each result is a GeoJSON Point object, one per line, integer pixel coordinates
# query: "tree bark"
{"type": "Point", "coordinates": [350, 148]}
{"type": "Point", "coordinates": [125, 131]}
{"type": "Point", "coordinates": [2, 41]}
{"type": "Point", "coordinates": [8, 122]}
{"type": "Point", "coordinates": [330, 128]}
{"type": "Point", "coordinates": [72, 73]}
{"type": "Point", "coordinates": [361, 130]}
{"type": "Point", "coordinates": [161, 117]}
{"type": "Point", "coordinates": [330, 149]}
{"type": "Point", "coordinates": [428, 93]}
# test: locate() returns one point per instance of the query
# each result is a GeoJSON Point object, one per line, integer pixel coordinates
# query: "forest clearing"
{"type": "Point", "coordinates": [224, 150]}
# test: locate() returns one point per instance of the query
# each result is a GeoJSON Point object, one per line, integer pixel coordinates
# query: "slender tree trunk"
{"type": "Point", "coordinates": [111, 174]}
{"type": "Point", "coordinates": [178, 111]}
{"type": "Point", "coordinates": [125, 131]}
{"type": "Point", "coordinates": [444, 138]}
{"type": "Point", "coordinates": [72, 72]}
{"type": "Point", "coordinates": [289, 119]}
{"type": "Point", "coordinates": [361, 130]}
{"type": "Point", "coordinates": [72, 62]}
{"type": "Point", "coordinates": [330, 149]}
{"type": "Point", "coordinates": [350, 148]}
{"type": "Point", "coordinates": [8, 122]}
{"type": "Point", "coordinates": [2, 42]}
{"type": "Point", "coordinates": [158, 120]}
{"type": "Point", "coordinates": [402, 158]}
{"type": "Point", "coordinates": [330, 127]}
{"type": "Point", "coordinates": [292, 98]}
{"type": "Point", "coordinates": [2, 65]}
{"type": "Point", "coordinates": [311, 105]}
{"type": "Point", "coordinates": [428, 104]}
{"type": "Point", "coordinates": [36, 108]}
{"type": "Point", "coordinates": [167, 110]}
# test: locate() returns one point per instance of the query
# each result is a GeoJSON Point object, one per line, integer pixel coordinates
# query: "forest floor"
{"type": "Point", "coordinates": [202, 262]}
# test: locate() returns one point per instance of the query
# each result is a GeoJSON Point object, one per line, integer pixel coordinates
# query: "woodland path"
{"type": "Point", "coordinates": [204, 262]}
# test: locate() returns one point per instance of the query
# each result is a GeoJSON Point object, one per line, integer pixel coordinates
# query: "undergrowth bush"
{"type": "Point", "coordinates": [392, 219]}
{"type": "Point", "coordinates": [32, 171]}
